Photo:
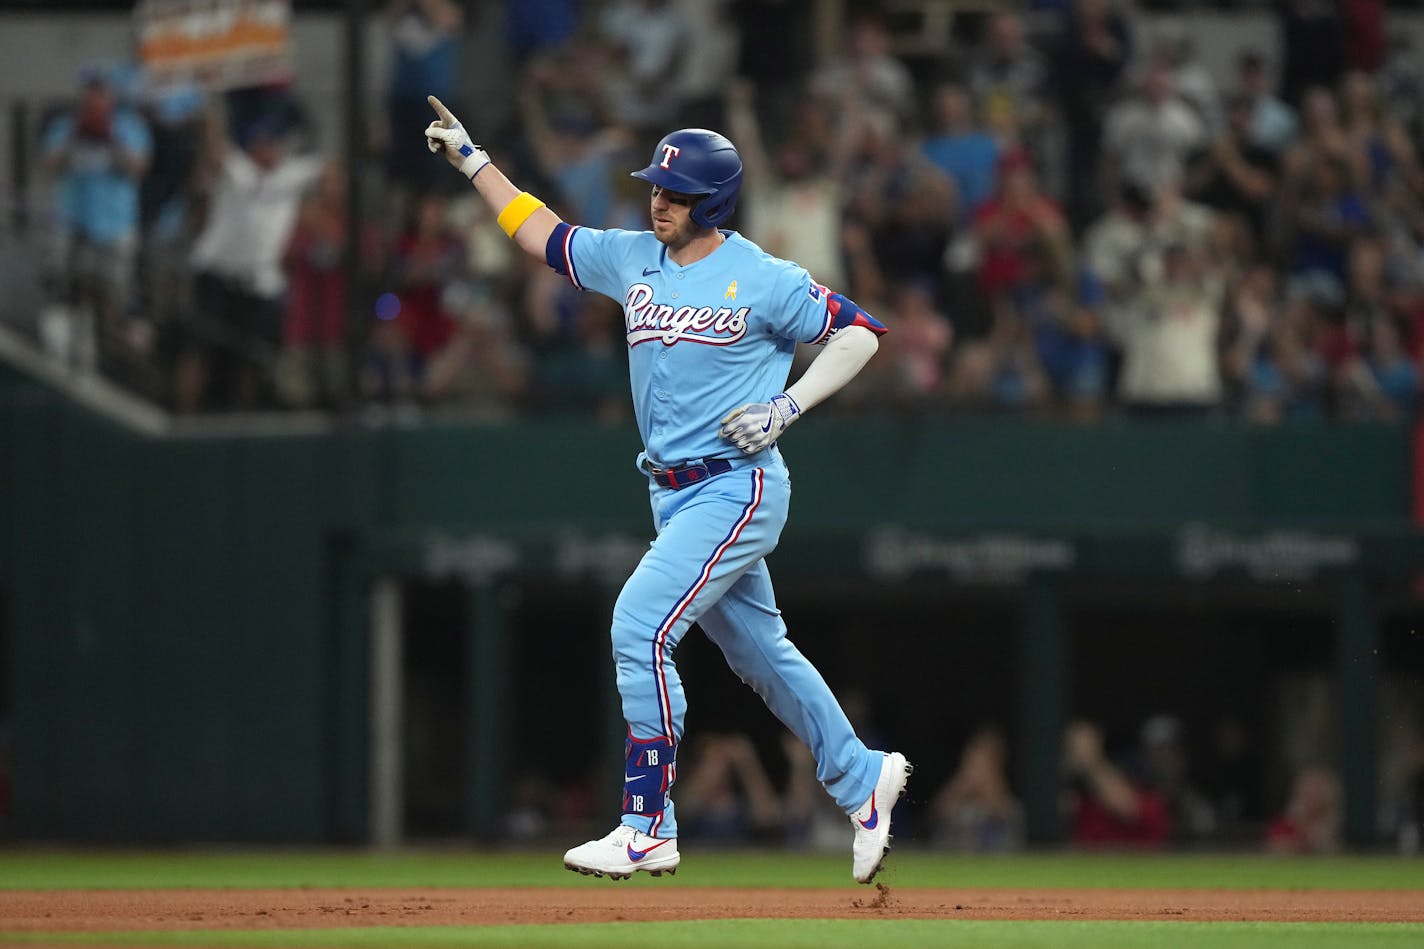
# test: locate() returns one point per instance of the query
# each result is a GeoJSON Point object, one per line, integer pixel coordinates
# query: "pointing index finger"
{"type": "Point", "coordinates": [447, 118]}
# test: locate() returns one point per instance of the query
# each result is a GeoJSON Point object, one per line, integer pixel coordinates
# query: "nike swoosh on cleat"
{"type": "Point", "coordinates": [636, 855]}
{"type": "Point", "coordinates": [647, 272]}
{"type": "Point", "coordinates": [869, 824]}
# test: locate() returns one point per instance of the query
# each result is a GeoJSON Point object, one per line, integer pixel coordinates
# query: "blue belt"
{"type": "Point", "coordinates": [676, 478]}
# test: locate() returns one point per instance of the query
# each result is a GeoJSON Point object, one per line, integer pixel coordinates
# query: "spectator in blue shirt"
{"type": "Point", "coordinates": [968, 154]}
{"type": "Point", "coordinates": [425, 45]}
{"type": "Point", "coordinates": [98, 152]}
{"type": "Point", "coordinates": [1273, 123]}
{"type": "Point", "coordinates": [1327, 216]}
{"type": "Point", "coordinates": [1395, 375]}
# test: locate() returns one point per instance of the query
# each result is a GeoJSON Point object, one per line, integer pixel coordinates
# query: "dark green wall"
{"type": "Point", "coordinates": [172, 645]}
{"type": "Point", "coordinates": [168, 651]}
{"type": "Point", "coordinates": [951, 475]}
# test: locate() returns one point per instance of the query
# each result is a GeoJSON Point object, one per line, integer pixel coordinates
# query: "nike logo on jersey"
{"type": "Point", "coordinates": [647, 272]}
{"type": "Point", "coordinates": [630, 778]}
{"type": "Point", "coordinates": [636, 855]}
{"type": "Point", "coordinates": [647, 320]}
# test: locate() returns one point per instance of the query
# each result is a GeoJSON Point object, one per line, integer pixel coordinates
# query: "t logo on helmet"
{"type": "Point", "coordinates": [669, 153]}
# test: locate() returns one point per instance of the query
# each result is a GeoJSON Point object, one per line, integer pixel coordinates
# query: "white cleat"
{"type": "Point", "coordinates": [624, 852]}
{"type": "Point", "coordinates": [872, 819]}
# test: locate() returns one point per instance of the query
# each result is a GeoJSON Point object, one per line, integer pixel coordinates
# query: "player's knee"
{"type": "Point", "coordinates": [632, 656]}
{"type": "Point", "coordinates": [631, 625]}
{"type": "Point", "coordinates": [629, 664]}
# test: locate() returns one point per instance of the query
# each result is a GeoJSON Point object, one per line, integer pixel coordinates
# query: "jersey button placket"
{"type": "Point", "coordinates": [659, 394]}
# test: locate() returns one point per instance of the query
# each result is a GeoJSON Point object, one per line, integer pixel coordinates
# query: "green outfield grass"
{"type": "Point", "coordinates": [794, 934]}
{"type": "Point", "coordinates": [49, 870]}
{"type": "Point", "coordinates": [35, 869]}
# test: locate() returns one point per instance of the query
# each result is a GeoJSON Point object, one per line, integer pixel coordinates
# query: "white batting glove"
{"type": "Point", "coordinates": [758, 424]}
{"type": "Point", "coordinates": [448, 135]}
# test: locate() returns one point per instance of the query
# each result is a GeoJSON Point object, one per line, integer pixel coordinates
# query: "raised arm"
{"type": "Point", "coordinates": [522, 216]}
{"type": "Point", "coordinates": [216, 143]}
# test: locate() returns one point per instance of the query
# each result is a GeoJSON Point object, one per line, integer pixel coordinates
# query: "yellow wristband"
{"type": "Point", "coordinates": [516, 212]}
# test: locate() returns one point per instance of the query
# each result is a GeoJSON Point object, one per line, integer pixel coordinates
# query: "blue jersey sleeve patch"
{"type": "Point", "coordinates": [844, 312]}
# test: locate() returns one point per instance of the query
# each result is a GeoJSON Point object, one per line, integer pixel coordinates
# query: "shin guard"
{"type": "Point", "coordinates": [648, 774]}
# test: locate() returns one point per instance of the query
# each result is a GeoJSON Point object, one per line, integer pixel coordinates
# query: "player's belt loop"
{"type": "Point", "coordinates": [678, 478]}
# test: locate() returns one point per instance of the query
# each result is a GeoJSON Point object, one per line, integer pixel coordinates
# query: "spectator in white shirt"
{"type": "Point", "coordinates": [1148, 136]}
{"type": "Point", "coordinates": [868, 76]}
{"type": "Point", "coordinates": [650, 39]}
{"type": "Point", "coordinates": [239, 283]}
{"type": "Point", "coordinates": [1169, 338]}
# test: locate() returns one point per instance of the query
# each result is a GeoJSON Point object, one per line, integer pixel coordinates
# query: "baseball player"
{"type": "Point", "coordinates": [712, 323]}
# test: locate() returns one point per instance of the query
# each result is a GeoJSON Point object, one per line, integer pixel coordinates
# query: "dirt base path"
{"type": "Point", "coordinates": [108, 910]}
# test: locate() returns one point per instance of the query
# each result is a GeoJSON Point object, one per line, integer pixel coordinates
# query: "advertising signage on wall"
{"type": "Point", "coordinates": [892, 553]}
{"type": "Point", "coordinates": [224, 44]}
{"type": "Point", "coordinates": [1280, 554]}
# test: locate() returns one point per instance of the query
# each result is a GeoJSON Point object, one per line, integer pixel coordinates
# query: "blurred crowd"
{"type": "Point", "coordinates": [1148, 793]}
{"type": "Point", "coordinates": [1055, 209]}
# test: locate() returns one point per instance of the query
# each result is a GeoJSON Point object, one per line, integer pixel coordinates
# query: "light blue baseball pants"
{"type": "Point", "coordinates": [706, 566]}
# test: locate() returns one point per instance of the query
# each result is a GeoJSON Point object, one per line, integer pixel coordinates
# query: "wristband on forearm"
{"type": "Point", "coordinates": [516, 212]}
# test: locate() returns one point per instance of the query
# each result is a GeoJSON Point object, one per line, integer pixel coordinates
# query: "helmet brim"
{"type": "Point", "coordinates": [671, 180]}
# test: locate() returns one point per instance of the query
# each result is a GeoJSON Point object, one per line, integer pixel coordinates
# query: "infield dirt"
{"type": "Point", "coordinates": [111, 910]}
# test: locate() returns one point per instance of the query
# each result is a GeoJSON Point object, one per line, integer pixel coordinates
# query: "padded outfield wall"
{"type": "Point", "coordinates": [185, 636]}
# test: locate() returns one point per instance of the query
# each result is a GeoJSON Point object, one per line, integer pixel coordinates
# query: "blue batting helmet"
{"type": "Point", "coordinates": [698, 161]}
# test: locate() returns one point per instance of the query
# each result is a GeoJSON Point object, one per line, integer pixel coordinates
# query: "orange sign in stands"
{"type": "Point", "coordinates": [226, 44]}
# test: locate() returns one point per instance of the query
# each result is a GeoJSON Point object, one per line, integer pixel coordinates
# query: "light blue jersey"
{"type": "Point", "coordinates": [702, 339]}
{"type": "Point", "coordinates": [95, 197]}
